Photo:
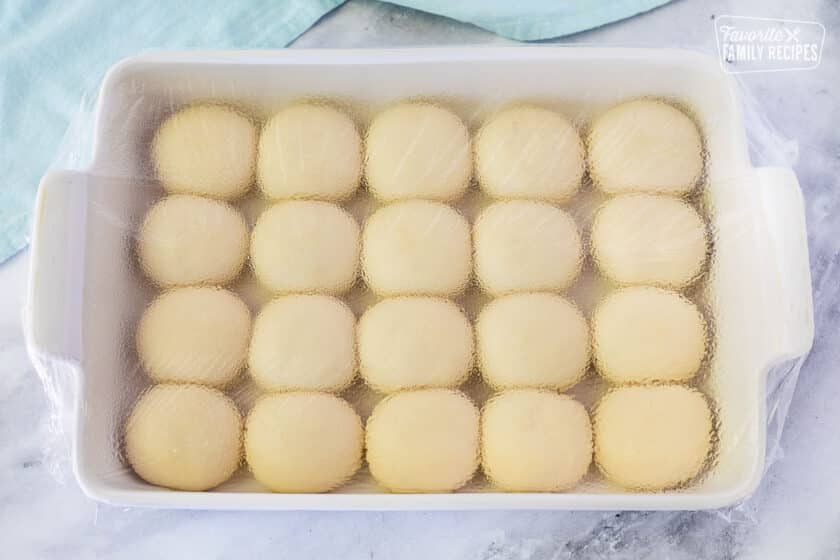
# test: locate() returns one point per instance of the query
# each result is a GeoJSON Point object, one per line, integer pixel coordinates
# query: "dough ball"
{"type": "Point", "coordinates": [185, 437]}
{"type": "Point", "coordinates": [306, 246]}
{"type": "Point", "coordinates": [207, 150]}
{"type": "Point", "coordinates": [646, 334]}
{"type": "Point", "coordinates": [645, 146]}
{"type": "Point", "coordinates": [416, 248]}
{"type": "Point", "coordinates": [413, 342]}
{"type": "Point", "coordinates": [529, 152]}
{"type": "Point", "coordinates": [535, 441]}
{"type": "Point", "coordinates": [418, 150]}
{"type": "Point", "coordinates": [532, 340]}
{"type": "Point", "coordinates": [309, 151]}
{"type": "Point", "coordinates": [192, 240]}
{"type": "Point", "coordinates": [652, 438]}
{"type": "Point", "coordinates": [303, 442]}
{"type": "Point", "coordinates": [194, 335]}
{"type": "Point", "coordinates": [525, 246]}
{"type": "Point", "coordinates": [423, 441]}
{"type": "Point", "coordinates": [649, 239]}
{"type": "Point", "coordinates": [303, 342]}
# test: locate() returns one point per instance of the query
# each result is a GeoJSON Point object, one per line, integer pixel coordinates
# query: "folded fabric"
{"type": "Point", "coordinates": [53, 52]}
{"type": "Point", "coordinates": [532, 20]}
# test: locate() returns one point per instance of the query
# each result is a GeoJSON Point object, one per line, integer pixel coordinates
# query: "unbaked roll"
{"type": "Point", "coordinates": [414, 342]}
{"type": "Point", "coordinates": [529, 152]}
{"type": "Point", "coordinates": [645, 145]}
{"type": "Point", "coordinates": [416, 247]}
{"type": "Point", "coordinates": [303, 442]}
{"type": "Point", "coordinates": [207, 150]}
{"type": "Point", "coordinates": [305, 246]}
{"type": "Point", "coordinates": [649, 239]}
{"type": "Point", "coordinates": [526, 246]}
{"type": "Point", "coordinates": [309, 150]}
{"type": "Point", "coordinates": [535, 441]}
{"type": "Point", "coordinates": [652, 438]}
{"type": "Point", "coordinates": [532, 340]}
{"type": "Point", "coordinates": [418, 150]}
{"type": "Point", "coordinates": [188, 240]}
{"type": "Point", "coordinates": [423, 441]}
{"type": "Point", "coordinates": [194, 335]}
{"type": "Point", "coordinates": [645, 334]}
{"type": "Point", "coordinates": [184, 437]}
{"type": "Point", "coordinates": [303, 342]}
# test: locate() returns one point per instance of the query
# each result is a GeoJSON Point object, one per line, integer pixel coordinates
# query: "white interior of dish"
{"type": "Point", "coordinates": [472, 82]}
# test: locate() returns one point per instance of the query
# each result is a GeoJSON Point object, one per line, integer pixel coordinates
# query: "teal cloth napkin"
{"type": "Point", "coordinates": [532, 20]}
{"type": "Point", "coordinates": [53, 52]}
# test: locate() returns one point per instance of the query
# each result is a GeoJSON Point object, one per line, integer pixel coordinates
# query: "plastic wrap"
{"type": "Point", "coordinates": [375, 223]}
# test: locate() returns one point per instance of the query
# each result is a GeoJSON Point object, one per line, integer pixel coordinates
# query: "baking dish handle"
{"type": "Point", "coordinates": [791, 305]}
{"type": "Point", "coordinates": [53, 314]}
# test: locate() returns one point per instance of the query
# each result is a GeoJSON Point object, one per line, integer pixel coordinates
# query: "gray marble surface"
{"type": "Point", "coordinates": [794, 514]}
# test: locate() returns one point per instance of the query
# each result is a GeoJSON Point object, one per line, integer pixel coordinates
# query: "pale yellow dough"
{"type": "Point", "coordinates": [303, 342]}
{"type": "Point", "coordinates": [303, 442]}
{"type": "Point", "coordinates": [309, 151]}
{"type": "Point", "coordinates": [532, 340]}
{"type": "Point", "coordinates": [423, 441]}
{"type": "Point", "coordinates": [207, 150]}
{"type": "Point", "coordinates": [529, 152]}
{"type": "Point", "coordinates": [652, 438]}
{"type": "Point", "coordinates": [643, 334]}
{"type": "Point", "coordinates": [184, 437]}
{"type": "Point", "coordinates": [535, 441]}
{"type": "Point", "coordinates": [414, 342]}
{"type": "Point", "coordinates": [305, 246]}
{"type": "Point", "coordinates": [649, 239]}
{"type": "Point", "coordinates": [192, 240]}
{"type": "Point", "coordinates": [645, 146]}
{"type": "Point", "coordinates": [416, 248]}
{"type": "Point", "coordinates": [194, 335]}
{"type": "Point", "coordinates": [418, 150]}
{"type": "Point", "coordinates": [526, 246]}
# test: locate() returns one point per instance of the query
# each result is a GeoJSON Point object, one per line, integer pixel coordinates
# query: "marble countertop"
{"type": "Point", "coordinates": [794, 514]}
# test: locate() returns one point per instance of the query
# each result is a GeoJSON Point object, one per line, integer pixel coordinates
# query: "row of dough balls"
{"type": "Point", "coordinates": [313, 342]}
{"type": "Point", "coordinates": [421, 247]}
{"type": "Point", "coordinates": [190, 437]}
{"type": "Point", "coordinates": [420, 150]}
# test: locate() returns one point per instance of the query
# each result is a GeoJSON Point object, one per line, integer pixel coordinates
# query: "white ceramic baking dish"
{"type": "Point", "coordinates": [86, 294]}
